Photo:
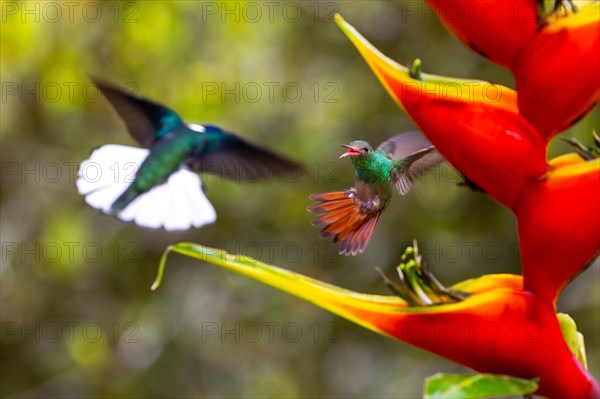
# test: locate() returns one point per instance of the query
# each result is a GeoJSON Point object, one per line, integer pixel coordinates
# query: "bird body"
{"type": "Point", "coordinates": [351, 215]}
{"type": "Point", "coordinates": [164, 159]}
{"type": "Point", "coordinates": [157, 186]}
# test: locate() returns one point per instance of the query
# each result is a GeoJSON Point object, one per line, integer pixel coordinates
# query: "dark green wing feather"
{"type": "Point", "coordinates": [235, 159]}
{"type": "Point", "coordinates": [145, 120]}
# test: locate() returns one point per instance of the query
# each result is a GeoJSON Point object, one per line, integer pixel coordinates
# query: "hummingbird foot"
{"type": "Point", "coordinates": [365, 207]}
{"type": "Point", "coordinates": [373, 205]}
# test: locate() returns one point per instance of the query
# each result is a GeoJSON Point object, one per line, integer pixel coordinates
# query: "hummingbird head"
{"type": "Point", "coordinates": [357, 148]}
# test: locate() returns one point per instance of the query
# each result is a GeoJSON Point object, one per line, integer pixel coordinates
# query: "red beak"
{"type": "Point", "coordinates": [352, 151]}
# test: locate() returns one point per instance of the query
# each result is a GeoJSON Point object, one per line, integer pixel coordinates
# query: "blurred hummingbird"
{"type": "Point", "coordinates": [350, 215]}
{"type": "Point", "coordinates": [157, 186]}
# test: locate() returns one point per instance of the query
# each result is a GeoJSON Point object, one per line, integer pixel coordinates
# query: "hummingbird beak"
{"type": "Point", "coordinates": [352, 151]}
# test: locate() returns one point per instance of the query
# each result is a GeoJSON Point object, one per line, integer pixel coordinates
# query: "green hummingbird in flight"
{"type": "Point", "coordinates": [349, 216]}
{"type": "Point", "coordinates": [158, 185]}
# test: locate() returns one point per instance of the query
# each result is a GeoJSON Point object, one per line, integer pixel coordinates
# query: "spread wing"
{"type": "Point", "coordinates": [404, 144]}
{"type": "Point", "coordinates": [414, 155]}
{"type": "Point", "coordinates": [145, 120]}
{"type": "Point", "coordinates": [236, 159]}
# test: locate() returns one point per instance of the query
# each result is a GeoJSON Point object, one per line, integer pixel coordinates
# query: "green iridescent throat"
{"type": "Point", "coordinates": [373, 168]}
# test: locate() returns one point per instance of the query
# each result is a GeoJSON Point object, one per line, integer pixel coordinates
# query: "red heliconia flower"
{"type": "Point", "coordinates": [498, 328]}
{"type": "Point", "coordinates": [496, 29]}
{"type": "Point", "coordinates": [559, 224]}
{"type": "Point", "coordinates": [486, 138]}
{"type": "Point", "coordinates": [558, 71]}
{"type": "Point", "coordinates": [555, 61]}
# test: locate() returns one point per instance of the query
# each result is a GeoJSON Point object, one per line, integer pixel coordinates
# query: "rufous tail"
{"type": "Point", "coordinates": [342, 219]}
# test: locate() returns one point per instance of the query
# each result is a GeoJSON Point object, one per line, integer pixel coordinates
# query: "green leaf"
{"type": "Point", "coordinates": [462, 386]}
{"type": "Point", "coordinates": [574, 338]}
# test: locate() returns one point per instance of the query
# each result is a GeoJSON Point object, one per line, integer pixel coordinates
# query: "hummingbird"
{"type": "Point", "coordinates": [157, 185]}
{"type": "Point", "coordinates": [349, 216]}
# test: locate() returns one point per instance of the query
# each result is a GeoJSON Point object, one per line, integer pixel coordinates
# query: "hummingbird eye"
{"type": "Point", "coordinates": [366, 149]}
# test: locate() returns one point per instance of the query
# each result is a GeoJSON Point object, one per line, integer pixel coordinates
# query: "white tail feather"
{"type": "Point", "coordinates": [177, 204]}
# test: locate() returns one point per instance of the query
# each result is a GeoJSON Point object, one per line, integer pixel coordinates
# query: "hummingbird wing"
{"type": "Point", "coordinates": [342, 219]}
{"type": "Point", "coordinates": [236, 159]}
{"type": "Point", "coordinates": [414, 155]}
{"type": "Point", "coordinates": [404, 144]}
{"type": "Point", "coordinates": [145, 120]}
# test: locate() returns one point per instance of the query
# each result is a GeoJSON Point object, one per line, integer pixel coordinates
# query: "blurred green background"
{"type": "Point", "coordinates": [78, 318]}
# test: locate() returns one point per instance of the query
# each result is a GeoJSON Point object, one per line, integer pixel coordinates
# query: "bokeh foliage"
{"type": "Point", "coordinates": [279, 73]}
